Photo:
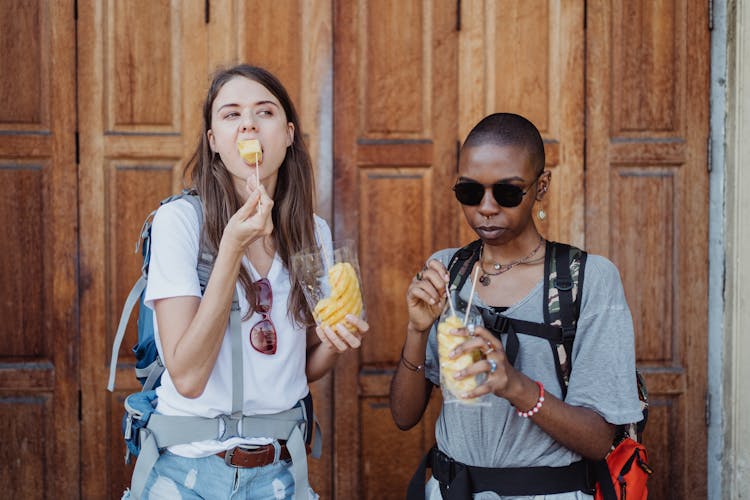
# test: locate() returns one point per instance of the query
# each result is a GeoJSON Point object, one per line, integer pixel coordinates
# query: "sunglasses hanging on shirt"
{"type": "Point", "coordinates": [263, 333]}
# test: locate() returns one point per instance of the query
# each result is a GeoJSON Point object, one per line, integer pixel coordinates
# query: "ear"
{"type": "Point", "coordinates": [211, 140]}
{"type": "Point", "coordinates": [543, 185]}
{"type": "Point", "coordinates": [290, 130]}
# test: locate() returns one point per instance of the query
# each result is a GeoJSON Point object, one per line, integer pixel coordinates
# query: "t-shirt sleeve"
{"type": "Point", "coordinates": [174, 253]}
{"type": "Point", "coordinates": [603, 365]}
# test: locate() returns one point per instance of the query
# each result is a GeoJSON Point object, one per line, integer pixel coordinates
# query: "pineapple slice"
{"type": "Point", "coordinates": [250, 150]}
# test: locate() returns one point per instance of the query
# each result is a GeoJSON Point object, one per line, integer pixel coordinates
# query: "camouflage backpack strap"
{"type": "Point", "coordinates": [461, 264]}
{"type": "Point", "coordinates": [564, 267]}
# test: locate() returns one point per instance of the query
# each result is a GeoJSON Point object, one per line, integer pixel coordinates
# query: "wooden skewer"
{"type": "Point", "coordinates": [257, 181]}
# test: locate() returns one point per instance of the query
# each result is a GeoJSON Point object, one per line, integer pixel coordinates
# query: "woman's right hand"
{"type": "Point", "coordinates": [252, 220]}
{"type": "Point", "coordinates": [425, 297]}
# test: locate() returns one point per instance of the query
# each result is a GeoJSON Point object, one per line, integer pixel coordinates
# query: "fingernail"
{"type": "Point", "coordinates": [459, 374]}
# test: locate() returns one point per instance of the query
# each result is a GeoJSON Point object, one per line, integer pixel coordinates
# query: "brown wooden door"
{"type": "Point", "coordinates": [395, 155]}
{"type": "Point", "coordinates": [294, 41]}
{"type": "Point", "coordinates": [411, 81]}
{"type": "Point", "coordinates": [39, 341]}
{"type": "Point", "coordinates": [624, 118]}
{"type": "Point", "coordinates": [647, 209]}
{"type": "Point", "coordinates": [526, 57]}
{"type": "Point", "coordinates": [142, 68]}
{"type": "Point", "coordinates": [143, 72]}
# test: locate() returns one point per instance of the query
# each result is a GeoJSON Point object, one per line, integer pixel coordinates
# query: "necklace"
{"type": "Point", "coordinates": [484, 279]}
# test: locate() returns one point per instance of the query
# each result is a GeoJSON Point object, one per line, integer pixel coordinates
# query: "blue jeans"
{"type": "Point", "coordinates": [176, 477]}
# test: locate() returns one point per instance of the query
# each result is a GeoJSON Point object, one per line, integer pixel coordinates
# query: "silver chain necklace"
{"type": "Point", "coordinates": [499, 269]}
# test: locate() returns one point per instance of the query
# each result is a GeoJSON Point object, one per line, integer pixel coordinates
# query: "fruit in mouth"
{"type": "Point", "coordinates": [250, 150]}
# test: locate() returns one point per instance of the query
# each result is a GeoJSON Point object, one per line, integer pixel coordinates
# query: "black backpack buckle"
{"type": "Point", "coordinates": [563, 283]}
{"type": "Point", "coordinates": [495, 322]}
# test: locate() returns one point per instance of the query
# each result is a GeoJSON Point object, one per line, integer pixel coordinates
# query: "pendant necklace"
{"type": "Point", "coordinates": [498, 268]}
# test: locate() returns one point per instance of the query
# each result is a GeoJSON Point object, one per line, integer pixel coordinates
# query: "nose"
{"type": "Point", "coordinates": [488, 206]}
{"type": "Point", "coordinates": [247, 122]}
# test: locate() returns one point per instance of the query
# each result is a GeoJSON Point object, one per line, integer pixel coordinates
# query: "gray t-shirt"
{"type": "Point", "coordinates": [602, 378]}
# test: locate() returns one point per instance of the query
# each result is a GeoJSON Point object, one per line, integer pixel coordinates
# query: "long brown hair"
{"type": "Point", "coordinates": [292, 213]}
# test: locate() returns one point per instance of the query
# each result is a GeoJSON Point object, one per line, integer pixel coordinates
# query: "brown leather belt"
{"type": "Point", "coordinates": [253, 456]}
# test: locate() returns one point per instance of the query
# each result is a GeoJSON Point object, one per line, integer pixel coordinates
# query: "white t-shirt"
{"type": "Point", "coordinates": [272, 383]}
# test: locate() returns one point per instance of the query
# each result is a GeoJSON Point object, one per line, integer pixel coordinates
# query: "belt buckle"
{"type": "Point", "coordinates": [247, 448]}
{"type": "Point", "coordinates": [228, 457]}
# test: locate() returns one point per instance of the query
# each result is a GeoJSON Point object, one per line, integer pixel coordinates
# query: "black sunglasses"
{"type": "Point", "coordinates": [506, 195]}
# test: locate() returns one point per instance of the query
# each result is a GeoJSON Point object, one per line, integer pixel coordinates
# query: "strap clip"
{"type": "Point", "coordinates": [495, 322]}
{"type": "Point", "coordinates": [231, 428]}
{"type": "Point", "coordinates": [563, 283]}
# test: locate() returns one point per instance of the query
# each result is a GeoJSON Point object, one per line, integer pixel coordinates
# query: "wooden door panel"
{"type": "Point", "coordinates": [38, 337]}
{"type": "Point", "coordinates": [142, 70]}
{"type": "Point", "coordinates": [526, 57]}
{"type": "Point", "coordinates": [394, 147]}
{"type": "Point", "coordinates": [647, 210]}
{"type": "Point", "coordinates": [293, 40]}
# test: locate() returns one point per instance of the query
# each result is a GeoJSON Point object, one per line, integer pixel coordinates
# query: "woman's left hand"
{"type": "Point", "coordinates": [341, 338]}
{"type": "Point", "coordinates": [501, 375]}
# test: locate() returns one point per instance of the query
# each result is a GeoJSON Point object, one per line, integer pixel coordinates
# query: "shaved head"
{"type": "Point", "coordinates": [508, 129]}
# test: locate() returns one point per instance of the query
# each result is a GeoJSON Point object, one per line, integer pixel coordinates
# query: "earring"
{"type": "Point", "coordinates": [541, 214]}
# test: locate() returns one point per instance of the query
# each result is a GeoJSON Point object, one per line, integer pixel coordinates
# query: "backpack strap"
{"type": "Point", "coordinates": [563, 280]}
{"type": "Point", "coordinates": [561, 310]}
{"type": "Point", "coordinates": [205, 257]}
{"type": "Point", "coordinates": [461, 264]}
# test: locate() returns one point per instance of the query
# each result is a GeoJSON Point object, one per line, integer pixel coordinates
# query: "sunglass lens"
{"type": "Point", "coordinates": [469, 193]}
{"type": "Point", "coordinates": [263, 337]}
{"type": "Point", "coordinates": [507, 195]}
{"type": "Point", "coordinates": [263, 295]}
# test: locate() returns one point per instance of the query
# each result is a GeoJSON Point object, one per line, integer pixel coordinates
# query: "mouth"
{"type": "Point", "coordinates": [251, 151]}
{"type": "Point", "coordinates": [489, 232]}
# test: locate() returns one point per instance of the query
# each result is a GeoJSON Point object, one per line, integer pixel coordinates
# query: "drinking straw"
{"type": "Point", "coordinates": [448, 294]}
{"type": "Point", "coordinates": [471, 295]}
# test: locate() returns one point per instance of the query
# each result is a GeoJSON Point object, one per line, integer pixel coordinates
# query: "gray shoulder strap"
{"type": "Point", "coordinates": [205, 258]}
{"type": "Point", "coordinates": [133, 297]}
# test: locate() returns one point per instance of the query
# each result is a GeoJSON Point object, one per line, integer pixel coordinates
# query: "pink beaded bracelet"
{"type": "Point", "coordinates": [537, 406]}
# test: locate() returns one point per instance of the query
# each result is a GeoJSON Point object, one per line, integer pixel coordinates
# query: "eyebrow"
{"type": "Point", "coordinates": [259, 103]}
{"type": "Point", "coordinates": [500, 181]}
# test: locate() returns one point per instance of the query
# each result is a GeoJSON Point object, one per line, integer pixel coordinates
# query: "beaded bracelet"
{"type": "Point", "coordinates": [534, 409]}
{"type": "Point", "coordinates": [409, 365]}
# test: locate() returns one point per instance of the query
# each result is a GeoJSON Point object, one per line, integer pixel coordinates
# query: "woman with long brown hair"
{"type": "Point", "coordinates": [255, 218]}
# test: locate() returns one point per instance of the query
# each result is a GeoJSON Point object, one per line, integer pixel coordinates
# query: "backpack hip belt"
{"type": "Point", "coordinates": [155, 431]}
{"type": "Point", "coordinates": [459, 481]}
